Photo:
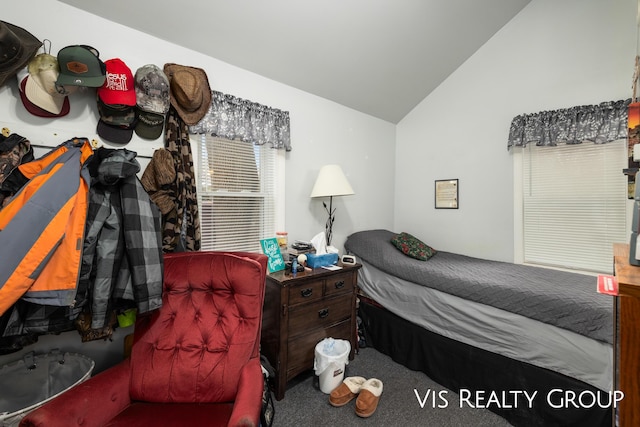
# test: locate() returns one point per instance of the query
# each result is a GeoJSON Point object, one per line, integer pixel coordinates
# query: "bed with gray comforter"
{"type": "Point", "coordinates": [489, 326]}
{"type": "Point", "coordinates": [563, 299]}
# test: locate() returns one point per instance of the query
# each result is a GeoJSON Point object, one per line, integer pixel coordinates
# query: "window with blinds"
{"type": "Point", "coordinates": [236, 193]}
{"type": "Point", "coordinates": [574, 204]}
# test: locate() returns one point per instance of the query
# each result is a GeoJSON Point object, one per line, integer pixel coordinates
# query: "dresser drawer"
{"type": "Point", "coordinates": [305, 292]}
{"type": "Point", "coordinates": [319, 314]}
{"type": "Point", "coordinates": [301, 351]}
{"type": "Point", "coordinates": [338, 284]}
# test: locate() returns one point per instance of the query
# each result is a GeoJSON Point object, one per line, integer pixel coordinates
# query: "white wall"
{"type": "Point", "coordinates": [322, 131]}
{"type": "Point", "coordinates": [552, 55]}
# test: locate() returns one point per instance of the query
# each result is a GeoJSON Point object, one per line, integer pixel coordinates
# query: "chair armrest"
{"type": "Point", "coordinates": [248, 403]}
{"type": "Point", "coordinates": [91, 403]}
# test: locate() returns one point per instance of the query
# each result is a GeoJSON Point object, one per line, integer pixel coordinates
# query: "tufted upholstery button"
{"type": "Point", "coordinates": [80, 421]}
{"type": "Point", "coordinates": [114, 397]}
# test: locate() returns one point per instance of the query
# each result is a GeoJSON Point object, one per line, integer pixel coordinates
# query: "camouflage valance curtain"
{"type": "Point", "coordinates": [235, 118]}
{"type": "Point", "coordinates": [599, 123]}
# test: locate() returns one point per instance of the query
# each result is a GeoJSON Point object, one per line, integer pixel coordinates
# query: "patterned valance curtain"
{"type": "Point", "coordinates": [235, 118]}
{"type": "Point", "coordinates": [600, 123]}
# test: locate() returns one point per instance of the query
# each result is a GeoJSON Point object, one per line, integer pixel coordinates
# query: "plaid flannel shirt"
{"type": "Point", "coordinates": [122, 255]}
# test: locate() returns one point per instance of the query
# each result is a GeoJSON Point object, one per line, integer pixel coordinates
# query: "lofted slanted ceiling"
{"type": "Point", "coordinates": [380, 57]}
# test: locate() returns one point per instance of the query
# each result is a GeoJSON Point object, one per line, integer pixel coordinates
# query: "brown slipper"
{"type": "Point", "coordinates": [346, 391]}
{"type": "Point", "coordinates": [367, 400]}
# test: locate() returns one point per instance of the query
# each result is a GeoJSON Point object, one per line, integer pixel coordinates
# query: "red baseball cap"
{"type": "Point", "coordinates": [119, 85]}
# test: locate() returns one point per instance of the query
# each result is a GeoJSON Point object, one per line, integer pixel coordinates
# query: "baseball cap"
{"type": "Point", "coordinates": [152, 97]}
{"type": "Point", "coordinates": [116, 122]}
{"type": "Point", "coordinates": [118, 87]}
{"type": "Point", "coordinates": [40, 87]}
{"type": "Point", "coordinates": [80, 65]}
{"type": "Point", "coordinates": [39, 101]}
{"type": "Point", "coordinates": [149, 125]}
{"type": "Point", "coordinates": [152, 89]}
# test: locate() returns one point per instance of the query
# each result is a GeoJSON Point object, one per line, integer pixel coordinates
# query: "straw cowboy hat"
{"type": "Point", "coordinates": [190, 93]}
{"type": "Point", "coordinates": [17, 47]}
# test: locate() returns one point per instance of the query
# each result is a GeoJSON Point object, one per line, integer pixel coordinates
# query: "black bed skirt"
{"type": "Point", "coordinates": [459, 366]}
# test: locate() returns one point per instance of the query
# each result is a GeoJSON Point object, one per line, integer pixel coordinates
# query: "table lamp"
{"type": "Point", "coordinates": [331, 182]}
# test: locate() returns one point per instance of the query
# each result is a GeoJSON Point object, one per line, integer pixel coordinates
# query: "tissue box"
{"type": "Point", "coordinates": [316, 261]}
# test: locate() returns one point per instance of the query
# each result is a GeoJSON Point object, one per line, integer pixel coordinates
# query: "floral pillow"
{"type": "Point", "coordinates": [413, 247]}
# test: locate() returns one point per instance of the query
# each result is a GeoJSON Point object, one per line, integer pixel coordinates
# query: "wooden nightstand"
{"type": "Point", "coordinates": [301, 310]}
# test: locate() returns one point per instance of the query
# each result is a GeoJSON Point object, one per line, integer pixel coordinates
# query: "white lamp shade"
{"type": "Point", "coordinates": [331, 182]}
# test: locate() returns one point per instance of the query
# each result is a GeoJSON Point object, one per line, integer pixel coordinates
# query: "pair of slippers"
{"type": "Point", "coordinates": [367, 391]}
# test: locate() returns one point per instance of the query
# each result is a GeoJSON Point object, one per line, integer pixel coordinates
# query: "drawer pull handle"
{"type": "Point", "coordinates": [306, 293]}
{"type": "Point", "coordinates": [323, 313]}
{"type": "Point", "coordinates": [340, 284]}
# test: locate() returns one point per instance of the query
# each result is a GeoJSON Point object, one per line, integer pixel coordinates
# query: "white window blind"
{"type": "Point", "coordinates": [236, 193]}
{"type": "Point", "coordinates": [574, 204]}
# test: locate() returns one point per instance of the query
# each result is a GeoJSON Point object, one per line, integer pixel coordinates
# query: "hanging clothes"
{"type": "Point", "coordinates": [181, 231]}
{"type": "Point", "coordinates": [14, 151]}
{"type": "Point", "coordinates": [158, 179]}
{"type": "Point", "coordinates": [43, 228]}
{"type": "Point", "coordinates": [122, 260]}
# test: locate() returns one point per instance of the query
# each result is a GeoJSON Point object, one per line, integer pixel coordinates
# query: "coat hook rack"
{"type": "Point", "coordinates": [95, 143]}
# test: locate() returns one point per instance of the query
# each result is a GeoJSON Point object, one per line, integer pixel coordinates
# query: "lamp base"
{"type": "Point", "coordinates": [329, 224]}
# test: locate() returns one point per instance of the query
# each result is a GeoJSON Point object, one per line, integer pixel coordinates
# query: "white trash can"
{"type": "Point", "coordinates": [331, 357]}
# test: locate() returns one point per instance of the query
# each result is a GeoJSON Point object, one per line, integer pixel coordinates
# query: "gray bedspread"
{"type": "Point", "coordinates": [564, 299]}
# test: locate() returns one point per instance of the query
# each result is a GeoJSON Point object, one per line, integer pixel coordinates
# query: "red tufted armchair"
{"type": "Point", "coordinates": [194, 362]}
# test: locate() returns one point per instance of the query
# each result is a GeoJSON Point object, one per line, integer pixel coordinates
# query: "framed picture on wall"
{"type": "Point", "coordinates": [446, 194]}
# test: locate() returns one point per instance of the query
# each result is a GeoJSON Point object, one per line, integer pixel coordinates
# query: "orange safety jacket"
{"type": "Point", "coordinates": [42, 228]}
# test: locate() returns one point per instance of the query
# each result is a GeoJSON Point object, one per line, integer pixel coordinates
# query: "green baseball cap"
{"type": "Point", "coordinates": [80, 65]}
{"type": "Point", "coordinates": [149, 125]}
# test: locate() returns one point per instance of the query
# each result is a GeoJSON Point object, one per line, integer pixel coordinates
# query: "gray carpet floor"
{"type": "Point", "coordinates": [304, 404]}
